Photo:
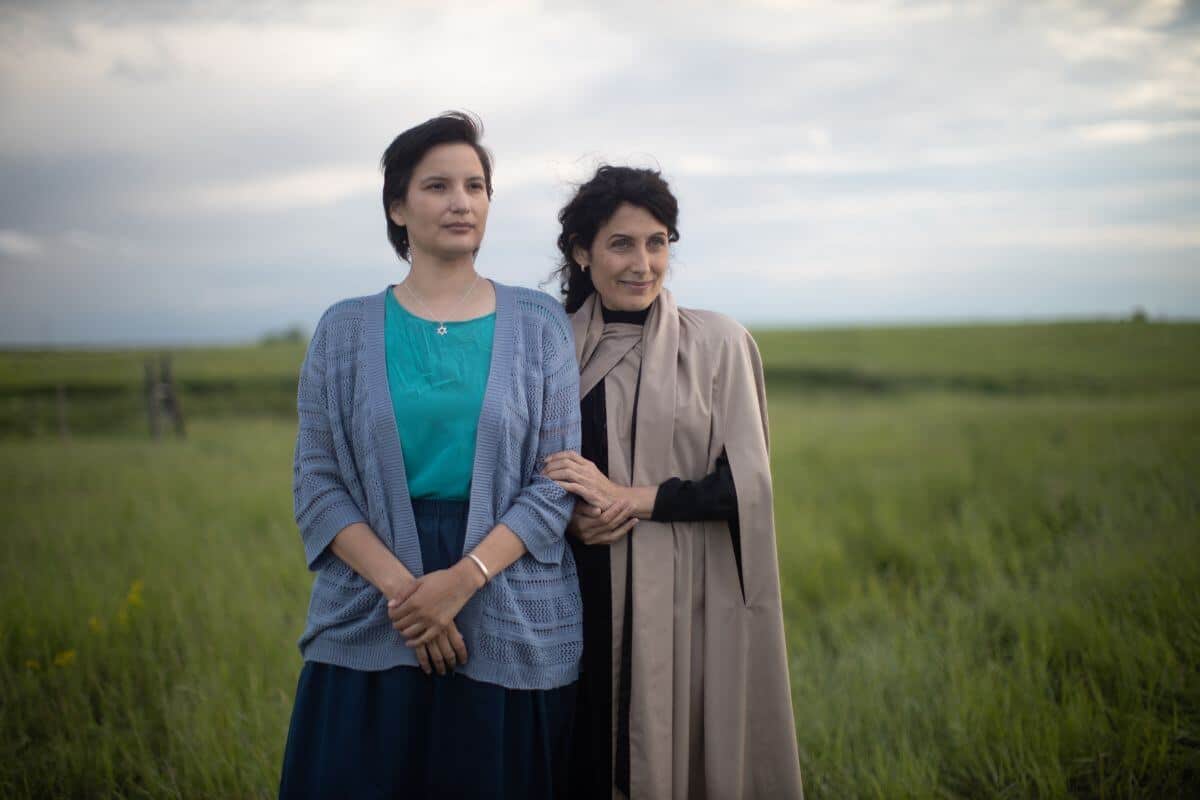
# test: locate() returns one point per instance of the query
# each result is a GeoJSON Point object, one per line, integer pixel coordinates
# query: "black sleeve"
{"type": "Point", "coordinates": [711, 497]}
{"type": "Point", "coordinates": [593, 427]}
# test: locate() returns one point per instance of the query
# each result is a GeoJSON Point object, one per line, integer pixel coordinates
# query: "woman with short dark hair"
{"type": "Point", "coordinates": [444, 632]}
{"type": "Point", "coordinates": [685, 689]}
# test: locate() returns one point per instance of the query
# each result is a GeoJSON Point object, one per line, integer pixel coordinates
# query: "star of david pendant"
{"type": "Point", "coordinates": [441, 329]}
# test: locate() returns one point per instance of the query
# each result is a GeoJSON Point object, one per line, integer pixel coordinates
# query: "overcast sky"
{"type": "Point", "coordinates": [208, 171]}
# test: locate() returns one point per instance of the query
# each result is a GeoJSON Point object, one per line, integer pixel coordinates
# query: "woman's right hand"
{"type": "Point", "coordinates": [590, 525]}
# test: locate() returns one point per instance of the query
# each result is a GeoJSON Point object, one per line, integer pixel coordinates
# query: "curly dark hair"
{"type": "Point", "coordinates": [407, 150]}
{"type": "Point", "coordinates": [593, 205]}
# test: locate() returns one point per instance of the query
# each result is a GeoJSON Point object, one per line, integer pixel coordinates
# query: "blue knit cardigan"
{"type": "Point", "coordinates": [523, 630]}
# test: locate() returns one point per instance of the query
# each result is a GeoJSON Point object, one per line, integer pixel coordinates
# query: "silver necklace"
{"type": "Point", "coordinates": [441, 324]}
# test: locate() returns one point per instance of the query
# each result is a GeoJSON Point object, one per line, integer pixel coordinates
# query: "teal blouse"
{"type": "Point", "coordinates": [437, 384]}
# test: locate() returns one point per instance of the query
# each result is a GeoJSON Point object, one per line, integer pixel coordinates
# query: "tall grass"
{"type": "Point", "coordinates": [993, 598]}
{"type": "Point", "coordinates": [1088, 356]}
{"type": "Point", "coordinates": [172, 574]}
{"type": "Point", "coordinates": [989, 591]}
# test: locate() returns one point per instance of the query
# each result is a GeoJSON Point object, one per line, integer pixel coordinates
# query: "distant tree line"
{"type": "Point", "coordinates": [292, 334]}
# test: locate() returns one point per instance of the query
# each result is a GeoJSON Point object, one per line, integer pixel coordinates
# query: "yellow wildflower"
{"type": "Point", "coordinates": [123, 616]}
{"type": "Point", "coordinates": [32, 663]}
{"type": "Point", "coordinates": [134, 598]}
{"type": "Point", "coordinates": [95, 624]}
{"type": "Point", "coordinates": [64, 659]}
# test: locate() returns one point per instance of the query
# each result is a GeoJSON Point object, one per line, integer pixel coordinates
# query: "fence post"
{"type": "Point", "coordinates": [171, 396]}
{"type": "Point", "coordinates": [152, 399]}
{"type": "Point", "coordinates": [162, 396]}
{"type": "Point", "coordinates": [60, 402]}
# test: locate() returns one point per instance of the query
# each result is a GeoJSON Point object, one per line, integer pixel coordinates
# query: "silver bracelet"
{"type": "Point", "coordinates": [487, 576]}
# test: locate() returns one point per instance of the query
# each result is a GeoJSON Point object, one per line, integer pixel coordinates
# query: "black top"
{"type": "Point", "coordinates": [713, 497]}
{"type": "Point", "coordinates": [631, 317]}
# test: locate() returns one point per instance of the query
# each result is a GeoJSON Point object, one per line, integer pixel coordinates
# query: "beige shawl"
{"type": "Point", "coordinates": [711, 711]}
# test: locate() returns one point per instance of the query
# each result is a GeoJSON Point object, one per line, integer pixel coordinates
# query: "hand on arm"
{"type": "Point", "coordinates": [590, 525]}
{"type": "Point", "coordinates": [607, 511]}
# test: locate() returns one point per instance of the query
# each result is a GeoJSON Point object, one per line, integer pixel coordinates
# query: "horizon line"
{"type": "Point", "coordinates": [772, 326]}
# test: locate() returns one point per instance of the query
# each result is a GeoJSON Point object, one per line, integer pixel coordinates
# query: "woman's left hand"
{"type": "Point", "coordinates": [430, 610]}
{"type": "Point", "coordinates": [590, 525]}
{"type": "Point", "coordinates": [581, 477]}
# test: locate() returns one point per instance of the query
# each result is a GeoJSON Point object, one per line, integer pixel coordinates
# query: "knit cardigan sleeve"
{"type": "Point", "coordinates": [540, 512]}
{"type": "Point", "coordinates": [321, 502]}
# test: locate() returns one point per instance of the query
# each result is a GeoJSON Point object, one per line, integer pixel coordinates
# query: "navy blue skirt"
{"type": "Point", "coordinates": [402, 733]}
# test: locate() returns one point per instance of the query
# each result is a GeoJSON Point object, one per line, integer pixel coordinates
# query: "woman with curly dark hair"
{"type": "Point", "coordinates": [685, 689]}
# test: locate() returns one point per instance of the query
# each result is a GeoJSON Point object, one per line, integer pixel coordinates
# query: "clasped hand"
{"type": "Point", "coordinates": [603, 512]}
{"type": "Point", "coordinates": [425, 618]}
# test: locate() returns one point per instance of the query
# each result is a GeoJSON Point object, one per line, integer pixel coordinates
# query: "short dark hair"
{"type": "Point", "coordinates": [407, 150]}
{"type": "Point", "coordinates": [593, 205]}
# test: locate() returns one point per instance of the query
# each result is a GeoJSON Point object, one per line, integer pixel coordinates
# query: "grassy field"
{"type": "Point", "coordinates": [989, 545]}
{"type": "Point", "coordinates": [104, 389]}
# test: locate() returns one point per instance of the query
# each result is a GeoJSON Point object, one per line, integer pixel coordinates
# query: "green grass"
{"type": "Point", "coordinates": [26, 368]}
{"type": "Point", "coordinates": [185, 694]}
{"type": "Point", "coordinates": [1004, 359]}
{"type": "Point", "coordinates": [991, 574]}
{"type": "Point", "coordinates": [104, 389]}
{"type": "Point", "coordinates": [993, 598]}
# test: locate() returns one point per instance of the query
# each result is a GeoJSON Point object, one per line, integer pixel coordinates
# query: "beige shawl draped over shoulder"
{"type": "Point", "coordinates": [710, 710]}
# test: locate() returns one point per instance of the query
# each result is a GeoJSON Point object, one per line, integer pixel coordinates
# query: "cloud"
{"type": "Point", "coordinates": [1136, 130]}
{"type": "Point", "coordinates": [222, 150]}
{"type": "Point", "coordinates": [1125, 237]}
{"type": "Point", "coordinates": [313, 187]}
{"type": "Point", "coordinates": [18, 245]}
